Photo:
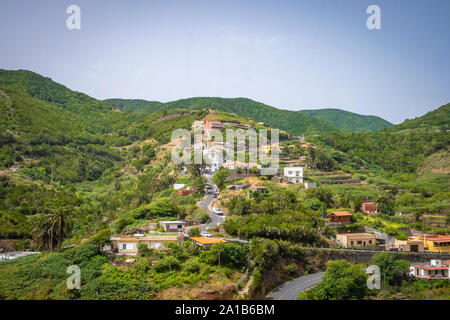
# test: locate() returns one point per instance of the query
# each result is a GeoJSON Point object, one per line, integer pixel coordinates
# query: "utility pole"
{"type": "Point", "coordinates": [219, 267]}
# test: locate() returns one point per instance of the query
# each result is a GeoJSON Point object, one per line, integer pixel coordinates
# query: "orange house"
{"type": "Point", "coordinates": [340, 217]}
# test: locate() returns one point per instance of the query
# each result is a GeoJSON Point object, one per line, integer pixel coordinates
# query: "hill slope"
{"type": "Point", "coordinates": [349, 121]}
{"type": "Point", "coordinates": [436, 119]}
{"type": "Point", "coordinates": [291, 121]}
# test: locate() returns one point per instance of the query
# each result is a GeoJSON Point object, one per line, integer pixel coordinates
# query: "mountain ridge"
{"type": "Point", "coordinates": [349, 121]}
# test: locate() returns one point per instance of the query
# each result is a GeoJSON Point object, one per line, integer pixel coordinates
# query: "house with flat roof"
{"type": "Point", "coordinates": [405, 245]}
{"type": "Point", "coordinates": [173, 226]}
{"type": "Point", "coordinates": [340, 217]}
{"type": "Point", "coordinates": [206, 243]}
{"type": "Point", "coordinates": [356, 240]}
{"type": "Point", "coordinates": [129, 245]}
{"type": "Point", "coordinates": [435, 243]}
{"type": "Point", "coordinates": [294, 174]}
{"type": "Point", "coordinates": [435, 269]}
{"type": "Point", "coordinates": [369, 207]}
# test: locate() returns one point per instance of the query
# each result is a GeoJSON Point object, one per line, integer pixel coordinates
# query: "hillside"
{"type": "Point", "coordinates": [293, 122]}
{"type": "Point", "coordinates": [437, 119]}
{"type": "Point", "coordinates": [349, 121]}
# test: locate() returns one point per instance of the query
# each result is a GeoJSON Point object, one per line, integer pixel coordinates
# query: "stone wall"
{"type": "Point", "coordinates": [365, 256]}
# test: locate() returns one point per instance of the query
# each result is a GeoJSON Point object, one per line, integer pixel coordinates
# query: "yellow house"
{"type": "Point", "coordinates": [435, 243]}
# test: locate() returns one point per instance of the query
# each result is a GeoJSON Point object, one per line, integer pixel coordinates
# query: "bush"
{"type": "Point", "coordinates": [167, 264]}
{"type": "Point", "coordinates": [231, 255]}
{"type": "Point", "coordinates": [342, 281]}
{"type": "Point", "coordinates": [393, 269]}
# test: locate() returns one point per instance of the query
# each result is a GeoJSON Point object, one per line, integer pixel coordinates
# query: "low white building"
{"type": "Point", "coordinates": [436, 269]}
{"type": "Point", "coordinates": [129, 245]}
{"type": "Point", "coordinates": [294, 174]}
{"type": "Point", "coordinates": [178, 186]}
{"type": "Point", "coordinates": [173, 226]}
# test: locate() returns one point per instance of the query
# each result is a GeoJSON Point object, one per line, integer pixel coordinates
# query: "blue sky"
{"type": "Point", "coordinates": [288, 54]}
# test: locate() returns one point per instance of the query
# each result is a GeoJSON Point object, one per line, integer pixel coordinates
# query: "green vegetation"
{"type": "Point", "coordinates": [349, 121]}
{"type": "Point", "coordinates": [74, 170]}
{"type": "Point", "coordinates": [44, 276]}
{"type": "Point", "coordinates": [291, 121]}
{"type": "Point", "coordinates": [344, 280]}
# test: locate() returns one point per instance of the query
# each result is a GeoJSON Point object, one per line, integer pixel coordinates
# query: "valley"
{"type": "Point", "coordinates": [91, 183]}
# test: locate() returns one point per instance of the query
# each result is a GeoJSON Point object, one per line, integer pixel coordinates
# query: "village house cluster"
{"type": "Point", "coordinates": [425, 243]}
{"type": "Point", "coordinates": [172, 231]}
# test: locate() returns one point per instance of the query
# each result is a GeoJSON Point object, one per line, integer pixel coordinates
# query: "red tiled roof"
{"type": "Point", "coordinates": [340, 213]}
{"type": "Point", "coordinates": [430, 268]}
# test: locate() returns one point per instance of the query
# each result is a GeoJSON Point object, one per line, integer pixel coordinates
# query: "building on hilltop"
{"type": "Point", "coordinates": [294, 174]}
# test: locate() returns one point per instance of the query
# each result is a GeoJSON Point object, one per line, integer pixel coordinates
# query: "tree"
{"type": "Point", "coordinates": [417, 215]}
{"type": "Point", "coordinates": [220, 177]}
{"type": "Point", "coordinates": [53, 227]}
{"type": "Point", "coordinates": [323, 194]}
{"type": "Point", "coordinates": [385, 204]}
{"type": "Point", "coordinates": [341, 281]}
{"type": "Point", "coordinates": [357, 205]}
{"type": "Point", "coordinates": [393, 270]}
{"type": "Point", "coordinates": [230, 254]}
{"type": "Point", "coordinates": [144, 250]}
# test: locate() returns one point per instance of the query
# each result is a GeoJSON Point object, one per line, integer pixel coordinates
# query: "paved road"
{"type": "Point", "coordinates": [290, 289]}
{"type": "Point", "coordinates": [204, 204]}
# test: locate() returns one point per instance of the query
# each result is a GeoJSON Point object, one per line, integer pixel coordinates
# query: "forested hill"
{"type": "Point", "coordinates": [68, 136]}
{"type": "Point", "coordinates": [291, 121]}
{"type": "Point", "coordinates": [437, 119]}
{"type": "Point", "coordinates": [349, 121]}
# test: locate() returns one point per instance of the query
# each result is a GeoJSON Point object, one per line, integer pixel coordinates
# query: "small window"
{"type": "Point", "coordinates": [359, 242]}
{"type": "Point", "coordinates": [124, 246]}
{"type": "Point", "coordinates": [180, 226]}
{"type": "Point", "coordinates": [370, 241]}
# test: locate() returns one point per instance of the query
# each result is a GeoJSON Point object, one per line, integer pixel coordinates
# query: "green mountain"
{"type": "Point", "coordinates": [438, 119]}
{"type": "Point", "coordinates": [400, 148]}
{"type": "Point", "coordinates": [291, 121]}
{"type": "Point", "coordinates": [69, 136]}
{"type": "Point", "coordinates": [349, 121]}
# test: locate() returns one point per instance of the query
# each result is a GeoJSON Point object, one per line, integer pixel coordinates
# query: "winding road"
{"type": "Point", "coordinates": [290, 289]}
{"type": "Point", "coordinates": [214, 219]}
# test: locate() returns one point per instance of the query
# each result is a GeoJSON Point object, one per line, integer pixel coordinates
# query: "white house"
{"type": "Point", "coordinates": [294, 174]}
{"type": "Point", "coordinates": [129, 245]}
{"type": "Point", "coordinates": [435, 269]}
{"type": "Point", "coordinates": [178, 186]}
{"type": "Point", "coordinates": [173, 226]}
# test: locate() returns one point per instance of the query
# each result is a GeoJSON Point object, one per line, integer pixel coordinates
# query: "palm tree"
{"type": "Point", "coordinates": [53, 227]}
{"type": "Point", "coordinates": [385, 204]}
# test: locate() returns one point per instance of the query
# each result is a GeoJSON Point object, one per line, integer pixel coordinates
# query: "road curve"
{"type": "Point", "coordinates": [290, 289]}
{"type": "Point", "coordinates": [214, 219]}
